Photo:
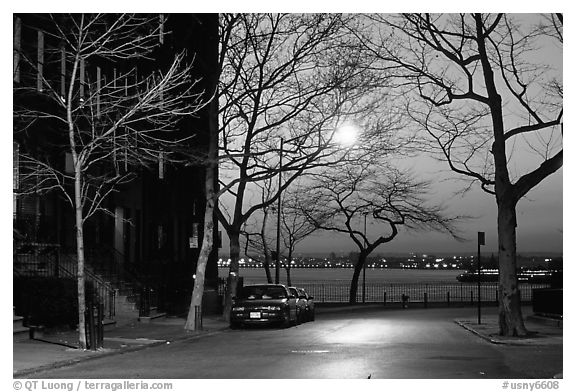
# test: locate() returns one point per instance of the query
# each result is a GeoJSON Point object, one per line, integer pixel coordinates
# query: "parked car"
{"type": "Point", "coordinates": [309, 314]}
{"type": "Point", "coordinates": [264, 304]}
{"type": "Point", "coordinates": [300, 304]}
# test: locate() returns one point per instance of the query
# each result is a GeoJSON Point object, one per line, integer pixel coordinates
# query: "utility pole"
{"type": "Point", "coordinates": [277, 277]}
{"type": "Point", "coordinates": [481, 241]}
{"type": "Point", "coordinates": [364, 267]}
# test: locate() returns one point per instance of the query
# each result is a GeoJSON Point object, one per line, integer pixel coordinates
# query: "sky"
{"type": "Point", "coordinates": [540, 215]}
{"type": "Point", "coordinates": [540, 221]}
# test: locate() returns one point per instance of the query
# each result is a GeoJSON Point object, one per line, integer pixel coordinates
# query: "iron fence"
{"type": "Point", "coordinates": [425, 292]}
{"type": "Point", "coordinates": [48, 260]}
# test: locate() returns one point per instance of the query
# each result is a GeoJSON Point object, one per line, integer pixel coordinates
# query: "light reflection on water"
{"type": "Point", "coordinates": [374, 275]}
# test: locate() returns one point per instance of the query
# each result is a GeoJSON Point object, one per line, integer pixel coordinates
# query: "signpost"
{"type": "Point", "coordinates": [481, 241]}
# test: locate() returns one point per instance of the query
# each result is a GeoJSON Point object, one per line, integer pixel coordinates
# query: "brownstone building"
{"type": "Point", "coordinates": [146, 246]}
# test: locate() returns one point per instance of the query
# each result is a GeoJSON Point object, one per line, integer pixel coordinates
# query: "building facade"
{"type": "Point", "coordinates": [150, 228]}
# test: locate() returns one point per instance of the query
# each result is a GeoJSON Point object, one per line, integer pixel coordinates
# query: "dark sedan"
{"type": "Point", "coordinates": [263, 304]}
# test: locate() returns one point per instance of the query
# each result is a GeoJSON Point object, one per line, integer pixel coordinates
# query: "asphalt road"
{"type": "Point", "coordinates": [388, 344]}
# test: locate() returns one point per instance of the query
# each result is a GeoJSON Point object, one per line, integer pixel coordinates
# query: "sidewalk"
{"type": "Point", "coordinates": [56, 349]}
{"type": "Point", "coordinates": [541, 331]}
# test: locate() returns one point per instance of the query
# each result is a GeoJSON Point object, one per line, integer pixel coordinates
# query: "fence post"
{"type": "Point", "coordinates": [384, 298]}
{"type": "Point", "coordinates": [404, 301]}
{"type": "Point", "coordinates": [197, 318]}
{"type": "Point", "coordinates": [425, 300]}
{"type": "Point", "coordinates": [144, 302]}
{"type": "Point", "coordinates": [448, 298]}
{"type": "Point", "coordinates": [100, 326]}
{"type": "Point", "coordinates": [496, 296]}
{"type": "Point", "coordinates": [472, 297]}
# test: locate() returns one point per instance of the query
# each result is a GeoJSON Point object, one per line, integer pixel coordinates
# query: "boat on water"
{"type": "Point", "coordinates": [491, 275]}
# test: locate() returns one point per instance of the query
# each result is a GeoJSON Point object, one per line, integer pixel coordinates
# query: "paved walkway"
{"type": "Point", "coordinates": [56, 349]}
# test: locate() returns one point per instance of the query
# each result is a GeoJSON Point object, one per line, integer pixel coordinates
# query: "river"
{"type": "Point", "coordinates": [373, 275]}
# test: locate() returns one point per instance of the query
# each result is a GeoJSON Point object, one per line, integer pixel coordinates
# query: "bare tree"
{"type": "Point", "coordinates": [284, 77]}
{"type": "Point", "coordinates": [488, 92]}
{"type": "Point", "coordinates": [106, 107]}
{"type": "Point", "coordinates": [257, 243]}
{"type": "Point", "coordinates": [296, 226]}
{"type": "Point", "coordinates": [390, 198]}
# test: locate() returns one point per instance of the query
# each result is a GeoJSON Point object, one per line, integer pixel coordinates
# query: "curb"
{"type": "Point", "coordinates": [526, 342]}
{"type": "Point", "coordinates": [104, 354]}
{"type": "Point", "coordinates": [351, 308]}
{"type": "Point", "coordinates": [487, 338]}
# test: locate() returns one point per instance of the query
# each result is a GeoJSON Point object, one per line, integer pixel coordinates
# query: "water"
{"type": "Point", "coordinates": [331, 285]}
{"type": "Point", "coordinates": [373, 275]}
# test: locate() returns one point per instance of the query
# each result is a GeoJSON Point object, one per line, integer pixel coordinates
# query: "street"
{"type": "Point", "coordinates": [386, 344]}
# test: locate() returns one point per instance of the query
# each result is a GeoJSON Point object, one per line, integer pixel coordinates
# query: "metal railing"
{"type": "Point", "coordinates": [48, 260]}
{"type": "Point", "coordinates": [417, 292]}
{"type": "Point", "coordinates": [425, 292]}
{"type": "Point", "coordinates": [36, 259]}
{"type": "Point", "coordinates": [103, 292]}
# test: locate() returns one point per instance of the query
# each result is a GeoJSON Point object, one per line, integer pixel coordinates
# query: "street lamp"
{"type": "Point", "coordinates": [346, 135]}
{"type": "Point", "coordinates": [481, 241]}
{"type": "Point", "coordinates": [364, 266]}
{"type": "Point", "coordinates": [277, 270]}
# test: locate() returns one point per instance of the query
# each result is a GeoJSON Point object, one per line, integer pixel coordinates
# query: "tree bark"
{"type": "Point", "coordinates": [266, 263]}
{"type": "Point", "coordinates": [207, 246]}
{"type": "Point", "coordinates": [288, 267]}
{"type": "Point", "coordinates": [208, 236]}
{"type": "Point", "coordinates": [509, 312]}
{"type": "Point", "coordinates": [356, 276]}
{"type": "Point", "coordinates": [233, 273]}
{"type": "Point", "coordinates": [80, 252]}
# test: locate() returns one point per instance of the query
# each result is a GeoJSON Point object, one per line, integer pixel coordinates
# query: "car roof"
{"type": "Point", "coordinates": [264, 284]}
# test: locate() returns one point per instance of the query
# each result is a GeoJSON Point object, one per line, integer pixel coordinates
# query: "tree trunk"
{"type": "Point", "coordinates": [288, 267]}
{"type": "Point", "coordinates": [288, 277]}
{"type": "Point", "coordinates": [356, 276]}
{"type": "Point", "coordinates": [509, 311]}
{"type": "Point", "coordinates": [208, 236]}
{"type": "Point", "coordinates": [207, 246]}
{"type": "Point", "coordinates": [233, 273]}
{"type": "Point", "coordinates": [80, 253]}
{"type": "Point", "coordinates": [266, 265]}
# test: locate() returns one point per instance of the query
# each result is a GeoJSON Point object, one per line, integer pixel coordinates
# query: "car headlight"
{"type": "Point", "coordinates": [238, 308]}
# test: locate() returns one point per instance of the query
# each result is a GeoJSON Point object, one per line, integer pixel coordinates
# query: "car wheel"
{"type": "Point", "coordinates": [234, 325]}
{"type": "Point", "coordinates": [287, 322]}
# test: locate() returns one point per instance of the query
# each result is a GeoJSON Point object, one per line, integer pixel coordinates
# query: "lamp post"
{"type": "Point", "coordinates": [277, 270]}
{"type": "Point", "coordinates": [364, 266]}
{"type": "Point", "coordinates": [481, 241]}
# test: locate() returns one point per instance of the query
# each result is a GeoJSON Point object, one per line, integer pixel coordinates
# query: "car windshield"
{"type": "Point", "coordinates": [262, 292]}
